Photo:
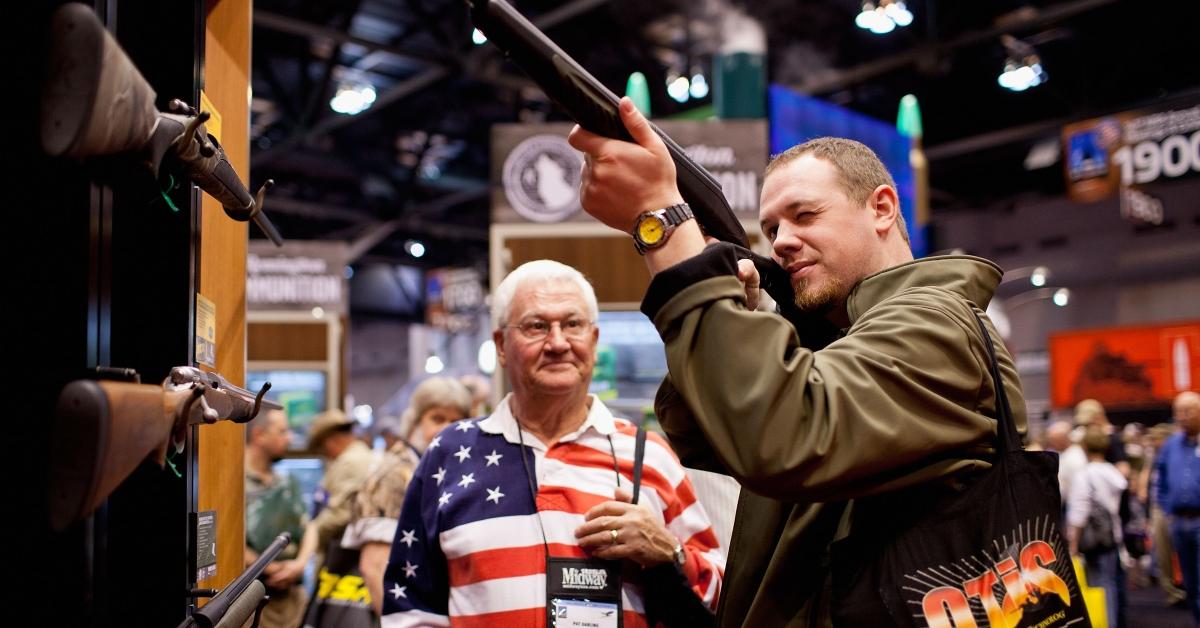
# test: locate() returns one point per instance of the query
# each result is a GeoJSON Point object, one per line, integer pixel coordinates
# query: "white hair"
{"type": "Point", "coordinates": [539, 271]}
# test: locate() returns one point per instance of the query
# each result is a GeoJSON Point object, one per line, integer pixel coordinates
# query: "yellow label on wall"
{"type": "Point", "coordinates": [214, 123]}
{"type": "Point", "coordinates": [206, 331]}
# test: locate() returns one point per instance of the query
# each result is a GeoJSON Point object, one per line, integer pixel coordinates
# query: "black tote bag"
{"type": "Point", "coordinates": [991, 555]}
{"type": "Point", "coordinates": [341, 599]}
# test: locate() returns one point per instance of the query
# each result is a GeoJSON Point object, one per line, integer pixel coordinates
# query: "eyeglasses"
{"type": "Point", "coordinates": [538, 329]}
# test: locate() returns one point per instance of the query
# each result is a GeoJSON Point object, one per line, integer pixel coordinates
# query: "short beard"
{"type": "Point", "coordinates": [821, 300]}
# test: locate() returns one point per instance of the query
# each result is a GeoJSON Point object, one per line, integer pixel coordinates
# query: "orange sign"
{"type": "Point", "coordinates": [1125, 367]}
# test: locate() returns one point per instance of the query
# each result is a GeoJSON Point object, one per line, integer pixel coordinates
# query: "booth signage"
{"type": "Point", "coordinates": [453, 297]}
{"type": "Point", "coordinates": [1124, 153]}
{"type": "Point", "coordinates": [535, 172]}
{"type": "Point", "coordinates": [296, 276]}
{"type": "Point", "coordinates": [1125, 367]}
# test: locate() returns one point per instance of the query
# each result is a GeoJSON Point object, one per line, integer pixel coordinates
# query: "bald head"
{"type": "Point", "coordinates": [1058, 436]}
{"type": "Point", "coordinates": [1187, 412]}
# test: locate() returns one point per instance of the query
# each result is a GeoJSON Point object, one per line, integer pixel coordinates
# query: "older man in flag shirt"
{"type": "Point", "coordinates": [547, 474]}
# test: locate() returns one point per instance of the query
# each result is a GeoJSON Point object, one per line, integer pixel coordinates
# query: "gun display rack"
{"type": "Point", "coordinates": [108, 263]}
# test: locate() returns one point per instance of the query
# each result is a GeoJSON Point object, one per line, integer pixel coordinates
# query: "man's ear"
{"type": "Point", "coordinates": [885, 207]}
{"type": "Point", "coordinates": [498, 339]}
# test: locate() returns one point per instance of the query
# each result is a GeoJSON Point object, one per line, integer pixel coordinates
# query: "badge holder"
{"type": "Point", "coordinates": [583, 593]}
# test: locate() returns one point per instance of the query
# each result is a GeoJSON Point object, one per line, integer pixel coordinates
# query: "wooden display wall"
{"type": "Point", "coordinates": [222, 279]}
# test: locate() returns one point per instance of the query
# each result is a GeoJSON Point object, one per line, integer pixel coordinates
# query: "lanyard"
{"type": "Point", "coordinates": [533, 491]}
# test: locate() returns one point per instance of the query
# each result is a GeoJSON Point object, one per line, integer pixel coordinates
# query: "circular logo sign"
{"type": "Point", "coordinates": [541, 178]}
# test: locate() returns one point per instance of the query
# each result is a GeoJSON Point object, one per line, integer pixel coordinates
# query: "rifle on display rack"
{"type": "Point", "coordinates": [594, 107]}
{"type": "Point", "coordinates": [103, 430]}
{"type": "Point", "coordinates": [95, 103]}
{"type": "Point", "coordinates": [242, 598]}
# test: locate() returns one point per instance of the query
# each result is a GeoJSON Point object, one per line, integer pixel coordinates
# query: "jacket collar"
{"type": "Point", "coordinates": [973, 278]}
{"type": "Point", "coordinates": [502, 422]}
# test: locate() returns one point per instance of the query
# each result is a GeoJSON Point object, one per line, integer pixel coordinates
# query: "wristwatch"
{"type": "Point", "coordinates": [654, 227]}
{"type": "Point", "coordinates": [679, 557]}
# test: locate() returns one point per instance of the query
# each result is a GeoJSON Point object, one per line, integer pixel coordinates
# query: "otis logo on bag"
{"type": "Point", "coordinates": [1022, 584]}
{"type": "Point", "coordinates": [541, 178]}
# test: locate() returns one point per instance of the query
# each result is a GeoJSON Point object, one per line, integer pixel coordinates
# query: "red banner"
{"type": "Point", "coordinates": [1125, 367]}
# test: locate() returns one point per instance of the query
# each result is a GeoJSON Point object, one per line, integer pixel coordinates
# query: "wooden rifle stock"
{"type": "Point", "coordinates": [102, 431]}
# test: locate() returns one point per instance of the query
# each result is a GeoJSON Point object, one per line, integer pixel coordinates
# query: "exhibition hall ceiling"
{"type": "Point", "coordinates": [413, 165]}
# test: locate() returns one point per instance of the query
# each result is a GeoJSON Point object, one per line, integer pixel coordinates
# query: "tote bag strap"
{"type": "Point", "coordinates": [1010, 440]}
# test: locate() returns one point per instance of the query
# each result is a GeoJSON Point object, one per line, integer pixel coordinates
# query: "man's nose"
{"type": "Point", "coordinates": [556, 340]}
{"type": "Point", "coordinates": [787, 241]}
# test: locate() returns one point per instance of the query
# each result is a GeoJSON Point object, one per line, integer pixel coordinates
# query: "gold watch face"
{"type": "Point", "coordinates": [650, 230]}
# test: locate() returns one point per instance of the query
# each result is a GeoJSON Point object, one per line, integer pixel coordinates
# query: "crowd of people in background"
{"type": "Point", "coordinates": [1145, 481]}
{"type": "Point", "coordinates": [840, 447]}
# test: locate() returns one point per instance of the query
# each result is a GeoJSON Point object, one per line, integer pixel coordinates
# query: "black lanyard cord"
{"type": "Point", "coordinates": [533, 490]}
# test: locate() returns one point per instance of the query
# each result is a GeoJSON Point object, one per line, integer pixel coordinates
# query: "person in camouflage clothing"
{"type": "Point", "coordinates": [375, 509]}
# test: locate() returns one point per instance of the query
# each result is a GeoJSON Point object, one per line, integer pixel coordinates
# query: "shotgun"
{"type": "Point", "coordinates": [240, 599]}
{"type": "Point", "coordinates": [594, 107]}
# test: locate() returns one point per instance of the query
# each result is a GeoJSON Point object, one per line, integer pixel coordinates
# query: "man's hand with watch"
{"type": "Point", "coordinates": [626, 184]}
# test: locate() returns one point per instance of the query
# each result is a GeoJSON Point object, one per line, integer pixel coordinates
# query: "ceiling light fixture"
{"type": "Point", "coordinates": [1022, 68]}
{"type": "Point", "coordinates": [352, 99]}
{"type": "Point", "coordinates": [884, 17]}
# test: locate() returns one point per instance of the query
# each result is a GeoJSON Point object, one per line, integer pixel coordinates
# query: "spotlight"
{"type": "Point", "coordinates": [477, 37]}
{"type": "Point", "coordinates": [1038, 276]}
{"type": "Point", "coordinates": [699, 87]}
{"type": "Point", "coordinates": [1022, 68]}
{"type": "Point", "coordinates": [899, 13]}
{"type": "Point", "coordinates": [415, 248]}
{"type": "Point", "coordinates": [1061, 297]}
{"type": "Point", "coordinates": [352, 99]}
{"type": "Point", "coordinates": [885, 17]}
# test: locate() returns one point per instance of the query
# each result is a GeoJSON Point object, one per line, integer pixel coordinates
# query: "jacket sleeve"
{"type": "Point", "coordinates": [416, 586]}
{"type": "Point", "coordinates": [895, 403]}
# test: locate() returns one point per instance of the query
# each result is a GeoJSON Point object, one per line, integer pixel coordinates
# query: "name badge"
{"type": "Point", "coordinates": [583, 593]}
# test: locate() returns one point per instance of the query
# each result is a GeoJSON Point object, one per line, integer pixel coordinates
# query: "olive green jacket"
{"type": "Point", "coordinates": [902, 399]}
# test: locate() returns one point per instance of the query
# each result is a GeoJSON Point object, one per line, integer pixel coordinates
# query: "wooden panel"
{"type": "Point", "coordinates": [223, 279]}
{"type": "Point", "coordinates": [278, 342]}
{"type": "Point", "coordinates": [615, 269]}
{"type": "Point", "coordinates": [612, 265]}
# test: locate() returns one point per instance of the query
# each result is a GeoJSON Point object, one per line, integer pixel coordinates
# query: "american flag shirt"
{"type": "Point", "coordinates": [468, 550]}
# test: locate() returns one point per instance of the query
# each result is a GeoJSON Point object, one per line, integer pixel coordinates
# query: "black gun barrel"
{"type": "Point", "coordinates": [596, 108]}
{"type": "Point", "coordinates": [211, 614]}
